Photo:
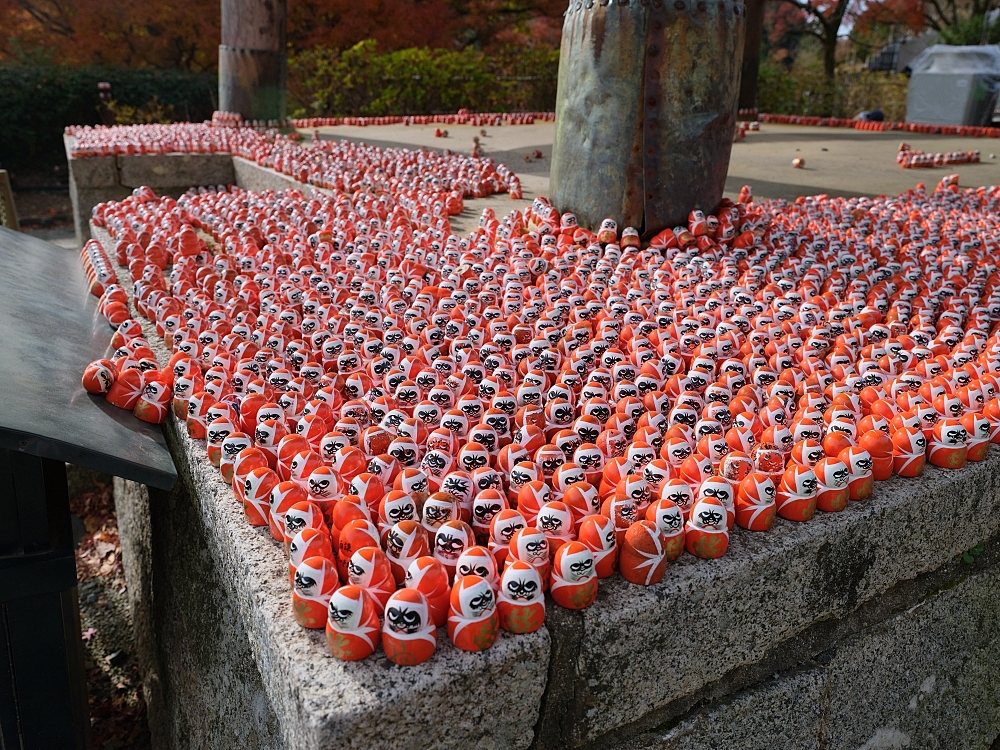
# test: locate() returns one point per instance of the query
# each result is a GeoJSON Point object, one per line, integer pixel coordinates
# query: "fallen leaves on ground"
{"type": "Point", "coordinates": [114, 686]}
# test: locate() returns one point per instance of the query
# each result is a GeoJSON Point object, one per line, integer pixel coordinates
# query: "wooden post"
{"type": "Point", "coordinates": [751, 55]}
{"type": "Point", "coordinates": [252, 63]}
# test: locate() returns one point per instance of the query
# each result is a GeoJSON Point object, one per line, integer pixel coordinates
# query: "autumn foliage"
{"type": "Point", "coordinates": [185, 34]}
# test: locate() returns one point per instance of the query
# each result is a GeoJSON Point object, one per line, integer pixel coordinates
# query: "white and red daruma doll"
{"type": "Point", "coordinates": [404, 543]}
{"type": "Point", "coordinates": [796, 495]}
{"type": "Point", "coordinates": [473, 623]}
{"type": "Point", "coordinates": [127, 388]}
{"type": "Point", "coordinates": [755, 502]}
{"type": "Point", "coordinates": [574, 580]}
{"type": "Point", "coordinates": [408, 632]}
{"type": "Point", "coordinates": [521, 601]}
{"type": "Point", "coordinates": [154, 402]}
{"type": "Point", "coordinates": [832, 492]}
{"type": "Point", "coordinates": [308, 543]}
{"type": "Point", "coordinates": [369, 568]}
{"type": "Point", "coordinates": [450, 541]}
{"type": "Point", "coordinates": [257, 489]}
{"type": "Point", "coordinates": [430, 578]}
{"type": "Point", "coordinates": [947, 447]}
{"type": "Point", "coordinates": [352, 626]}
{"type": "Point", "coordinates": [283, 496]}
{"type": "Point", "coordinates": [706, 534]}
{"type": "Point", "coordinates": [555, 520]}
{"type": "Point", "coordinates": [247, 461]}
{"type": "Point", "coordinates": [502, 529]}
{"type": "Point", "coordinates": [979, 429]}
{"type": "Point", "coordinates": [670, 522]}
{"type": "Point", "coordinates": [530, 545]}
{"type": "Point", "coordinates": [315, 581]}
{"type": "Point", "coordinates": [478, 561]}
{"type": "Point", "coordinates": [908, 452]}
{"type": "Point", "coordinates": [859, 463]}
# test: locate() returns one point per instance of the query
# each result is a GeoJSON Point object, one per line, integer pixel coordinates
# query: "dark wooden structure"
{"type": "Point", "coordinates": [50, 330]}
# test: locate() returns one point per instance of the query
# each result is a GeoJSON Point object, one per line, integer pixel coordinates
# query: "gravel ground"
{"type": "Point", "coordinates": [117, 708]}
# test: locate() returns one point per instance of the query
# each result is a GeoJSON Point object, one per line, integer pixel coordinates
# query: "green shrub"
{"type": "Point", "coordinates": [971, 30]}
{"type": "Point", "coordinates": [804, 90]}
{"type": "Point", "coordinates": [360, 80]}
{"type": "Point", "coordinates": [38, 101]}
{"type": "Point", "coordinates": [859, 89]}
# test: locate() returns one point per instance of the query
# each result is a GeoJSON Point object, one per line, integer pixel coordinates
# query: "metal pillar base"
{"type": "Point", "coordinates": [646, 109]}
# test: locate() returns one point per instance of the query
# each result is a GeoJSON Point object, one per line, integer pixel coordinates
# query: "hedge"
{"type": "Point", "coordinates": [362, 81]}
{"type": "Point", "coordinates": [38, 101]}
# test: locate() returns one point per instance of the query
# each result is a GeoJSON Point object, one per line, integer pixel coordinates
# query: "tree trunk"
{"type": "Point", "coordinates": [751, 54]}
{"type": "Point", "coordinates": [830, 53]}
{"type": "Point", "coordinates": [252, 59]}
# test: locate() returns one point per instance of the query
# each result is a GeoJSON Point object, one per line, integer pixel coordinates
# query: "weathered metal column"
{"type": "Point", "coordinates": [646, 109]}
{"type": "Point", "coordinates": [253, 68]}
{"type": "Point", "coordinates": [751, 54]}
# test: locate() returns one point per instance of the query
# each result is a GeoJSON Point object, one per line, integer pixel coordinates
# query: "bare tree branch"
{"type": "Point", "coordinates": [55, 22]}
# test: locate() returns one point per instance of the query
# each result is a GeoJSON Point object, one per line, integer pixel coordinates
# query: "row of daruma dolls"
{"type": "Point", "coordinates": [452, 575]}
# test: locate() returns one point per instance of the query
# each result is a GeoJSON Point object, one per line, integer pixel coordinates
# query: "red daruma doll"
{"type": "Point", "coordinates": [352, 627]}
{"type": "Point", "coordinates": [908, 452]}
{"type": "Point", "coordinates": [947, 447]}
{"type": "Point", "coordinates": [598, 533]}
{"type": "Point", "coordinates": [642, 559]}
{"type": "Point", "coordinates": [574, 580]}
{"type": "Point", "coordinates": [430, 578]}
{"type": "Point", "coordinates": [755, 508]}
{"type": "Point", "coordinates": [796, 496]}
{"type": "Point", "coordinates": [408, 635]}
{"type": "Point", "coordinates": [530, 546]}
{"type": "Point", "coordinates": [670, 521]}
{"type": "Point", "coordinates": [706, 534]}
{"type": "Point", "coordinates": [315, 581]}
{"type": "Point", "coordinates": [473, 622]}
{"type": "Point", "coordinates": [521, 603]}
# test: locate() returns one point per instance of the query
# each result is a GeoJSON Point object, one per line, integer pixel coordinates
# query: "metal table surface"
{"type": "Point", "coordinates": [50, 330]}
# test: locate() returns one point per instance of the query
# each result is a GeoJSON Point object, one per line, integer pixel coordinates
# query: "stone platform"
{"type": "Point", "coordinates": [859, 629]}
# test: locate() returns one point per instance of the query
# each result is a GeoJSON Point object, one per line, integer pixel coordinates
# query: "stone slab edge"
{"type": "Point", "coordinates": [453, 701]}
{"type": "Point", "coordinates": [889, 685]}
{"type": "Point", "coordinates": [638, 649]}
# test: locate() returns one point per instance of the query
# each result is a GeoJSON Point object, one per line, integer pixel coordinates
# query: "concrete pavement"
{"type": "Point", "coordinates": [838, 161]}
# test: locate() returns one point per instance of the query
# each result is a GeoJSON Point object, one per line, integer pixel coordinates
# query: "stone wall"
{"type": "Point", "coordinates": [914, 665]}
{"type": "Point", "coordinates": [94, 180]}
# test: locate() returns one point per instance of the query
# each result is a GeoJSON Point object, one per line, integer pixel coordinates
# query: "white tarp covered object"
{"type": "Point", "coordinates": [954, 85]}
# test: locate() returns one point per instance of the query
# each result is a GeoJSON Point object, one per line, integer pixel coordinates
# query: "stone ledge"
{"type": "Point", "coordinates": [252, 176]}
{"type": "Point", "coordinates": [160, 171]}
{"type": "Point", "coordinates": [708, 618]}
{"type": "Point", "coordinates": [924, 678]}
{"type": "Point", "coordinates": [320, 701]}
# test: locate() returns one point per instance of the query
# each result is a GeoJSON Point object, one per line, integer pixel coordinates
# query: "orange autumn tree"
{"type": "Point", "coordinates": [185, 34]}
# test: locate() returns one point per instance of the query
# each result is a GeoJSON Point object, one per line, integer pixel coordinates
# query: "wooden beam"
{"type": "Point", "coordinates": [252, 59]}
